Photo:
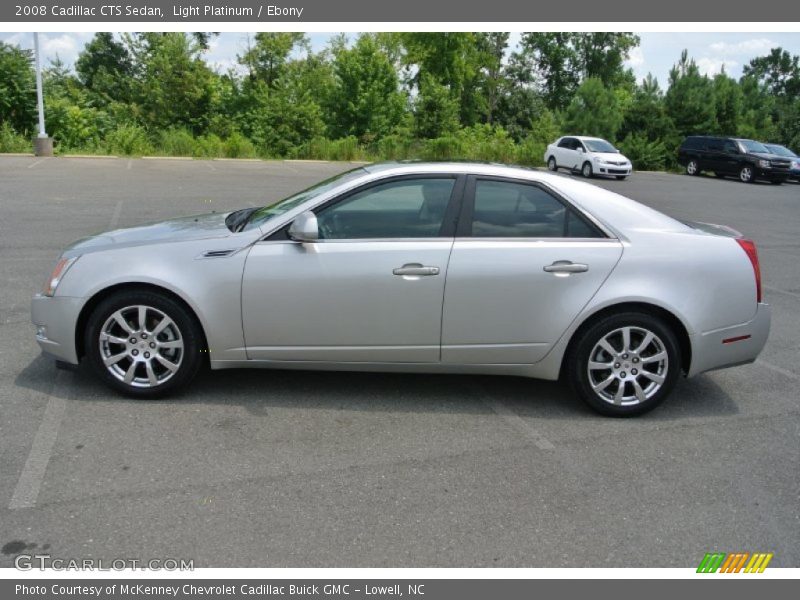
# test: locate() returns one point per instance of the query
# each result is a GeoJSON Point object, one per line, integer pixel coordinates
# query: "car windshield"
{"type": "Point", "coordinates": [751, 146]}
{"type": "Point", "coordinates": [600, 146]}
{"type": "Point", "coordinates": [265, 213]}
{"type": "Point", "coordinates": [780, 150]}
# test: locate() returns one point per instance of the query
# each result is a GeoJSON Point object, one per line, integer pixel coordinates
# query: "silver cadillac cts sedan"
{"type": "Point", "coordinates": [428, 268]}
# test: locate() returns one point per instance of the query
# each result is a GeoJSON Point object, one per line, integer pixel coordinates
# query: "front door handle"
{"type": "Point", "coordinates": [566, 266]}
{"type": "Point", "coordinates": [415, 270]}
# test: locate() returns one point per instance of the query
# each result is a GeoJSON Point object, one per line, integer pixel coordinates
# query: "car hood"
{"type": "Point", "coordinates": [195, 227]}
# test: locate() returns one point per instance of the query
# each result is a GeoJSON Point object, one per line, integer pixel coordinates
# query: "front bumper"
{"type": "Point", "coordinates": [604, 169]}
{"type": "Point", "coordinates": [771, 174]}
{"type": "Point", "coordinates": [55, 318]}
{"type": "Point", "coordinates": [715, 350]}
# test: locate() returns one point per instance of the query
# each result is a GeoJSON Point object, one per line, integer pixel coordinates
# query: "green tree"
{"type": "Point", "coordinates": [689, 99]}
{"type": "Point", "coordinates": [17, 88]}
{"type": "Point", "coordinates": [266, 59]}
{"type": "Point", "coordinates": [174, 85]}
{"type": "Point", "coordinates": [491, 49]}
{"type": "Point", "coordinates": [594, 111]}
{"type": "Point", "coordinates": [435, 109]}
{"type": "Point", "coordinates": [105, 68]}
{"type": "Point", "coordinates": [727, 104]}
{"type": "Point", "coordinates": [366, 101]}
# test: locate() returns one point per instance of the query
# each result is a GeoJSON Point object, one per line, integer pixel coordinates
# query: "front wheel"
{"type": "Point", "coordinates": [586, 170]}
{"type": "Point", "coordinates": [625, 364]}
{"type": "Point", "coordinates": [143, 344]}
{"type": "Point", "coordinates": [746, 175]}
{"type": "Point", "coordinates": [551, 163]}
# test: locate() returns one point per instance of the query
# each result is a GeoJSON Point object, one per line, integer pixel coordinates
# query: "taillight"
{"type": "Point", "coordinates": [750, 249]}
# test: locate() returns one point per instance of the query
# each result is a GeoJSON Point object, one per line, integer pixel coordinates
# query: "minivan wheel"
{"type": "Point", "coordinates": [551, 163]}
{"type": "Point", "coordinates": [692, 168]}
{"type": "Point", "coordinates": [746, 175]}
{"type": "Point", "coordinates": [143, 344]}
{"type": "Point", "coordinates": [586, 170]}
{"type": "Point", "coordinates": [625, 364]}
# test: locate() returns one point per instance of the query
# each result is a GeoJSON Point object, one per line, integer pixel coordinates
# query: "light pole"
{"type": "Point", "coordinates": [42, 145]}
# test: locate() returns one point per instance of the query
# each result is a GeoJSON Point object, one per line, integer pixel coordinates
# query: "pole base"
{"type": "Point", "coordinates": [43, 146]}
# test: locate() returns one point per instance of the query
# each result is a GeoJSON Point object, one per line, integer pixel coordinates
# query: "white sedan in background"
{"type": "Point", "coordinates": [591, 156]}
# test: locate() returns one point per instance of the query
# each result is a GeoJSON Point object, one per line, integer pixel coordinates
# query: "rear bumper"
{"type": "Point", "coordinates": [731, 346]}
{"type": "Point", "coordinates": [55, 319]}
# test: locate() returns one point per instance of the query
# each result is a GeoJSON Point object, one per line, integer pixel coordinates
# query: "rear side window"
{"type": "Point", "coordinates": [693, 143]}
{"type": "Point", "coordinates": [567, 143]}
{"type": "Point", "coordinates": [507, 209]}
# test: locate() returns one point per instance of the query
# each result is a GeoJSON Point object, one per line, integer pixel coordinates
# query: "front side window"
{"type": "Point", "coordinates": [516, 210]}
{"type": "Point", "coordinates": [407, 208]}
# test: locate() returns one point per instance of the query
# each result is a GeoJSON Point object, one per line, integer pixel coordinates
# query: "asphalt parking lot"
{"type": "Point", "coordinates": [299, 469]}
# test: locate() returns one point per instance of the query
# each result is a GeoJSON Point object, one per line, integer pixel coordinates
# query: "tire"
{"type": "Point", "coordinates": [167, 352]}
{"type": "Point", "coordinates": [746, 174]}
{"type": "Point", "coordinates": [693, 167]}
{"type": "Point", "coordinates": [551, 163]}
{"type": "Point", "coordinates": [600, 387]}
{"type": "Point", "coordinates": [620, 177]}
{"type": "Point", "coordinates": [586, 170]}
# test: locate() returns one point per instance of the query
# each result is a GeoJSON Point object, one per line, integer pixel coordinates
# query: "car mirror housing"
{"type": "Point", "coordinates": [304, 228]}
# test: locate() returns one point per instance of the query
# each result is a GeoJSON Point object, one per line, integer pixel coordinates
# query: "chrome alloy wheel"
{"type": "Point", "coordinates": [141, 346]}
{"type": "Point", "coordinates": [691, 167]}
{"type": "Point", "coordinates": [628, 366]}
{"type": "Point", "coordinates": [746, 174]}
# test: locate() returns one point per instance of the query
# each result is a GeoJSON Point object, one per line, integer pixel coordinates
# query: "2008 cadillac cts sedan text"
{"type": "Point", "coordinates": [430, 268]}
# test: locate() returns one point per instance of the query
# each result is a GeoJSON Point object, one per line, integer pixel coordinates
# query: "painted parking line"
{"type": "Point", "coordinates": [775, 290]}
{"type": "Point", "coordinates": [115, 217]}
{"type": "Point", "coordinates": [30, 480]}
{"type": "Point", "coordinates": [522, 425]}
{"type": "Point", "coordinates": [777, 369]}
{"type": "Point", "coordinates": [36, 162]}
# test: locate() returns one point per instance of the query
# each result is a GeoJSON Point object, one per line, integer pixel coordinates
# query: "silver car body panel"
{"type": "Point", "coordinates": [491, 307]}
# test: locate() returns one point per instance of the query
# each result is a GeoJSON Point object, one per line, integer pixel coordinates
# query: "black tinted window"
{"type": "Point", "coordinates": [510, 209]}
{"type": "Point", "coordinates": [408, 208]}
{"type": "Point", "coordinates": [566, 143]}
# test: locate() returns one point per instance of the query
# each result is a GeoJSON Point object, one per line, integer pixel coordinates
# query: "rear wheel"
{"type": "Point", "coordinates": [143, 344]}
{"type": "Point", "coordinates": [625, 364]}
{"type": "Point", "coordinates": [692, 168]}
{"type": "Point", "coordinates": [551, 163]}
{"type": "Point", "coordinates": [746, 174]}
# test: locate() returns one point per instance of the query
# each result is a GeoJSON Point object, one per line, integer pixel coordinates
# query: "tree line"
{"type": "Point", "coordinates": [388, 96]}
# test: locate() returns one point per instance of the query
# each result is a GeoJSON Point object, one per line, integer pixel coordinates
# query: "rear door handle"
{"type": "Point", "coordinates": [415, 270]}
{"type": "Point", "coordinates": [566, 266]}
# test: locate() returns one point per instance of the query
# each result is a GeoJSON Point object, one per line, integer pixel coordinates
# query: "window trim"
{"type": "Point", "coordinates": [464, 227]}
{"type": "Point", "coordinates": [446, 231]}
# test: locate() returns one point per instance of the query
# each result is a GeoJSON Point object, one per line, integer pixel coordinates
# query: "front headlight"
{"type": "Point", "coordinates": [764, 164]}
{"type": "Point", "coordinates": [61, 268]}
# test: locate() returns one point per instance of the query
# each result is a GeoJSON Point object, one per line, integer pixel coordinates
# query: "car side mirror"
{"type": "Point", "coordinates": [304, 228]}
{"type": "Point", "coordinates": [580, 150]}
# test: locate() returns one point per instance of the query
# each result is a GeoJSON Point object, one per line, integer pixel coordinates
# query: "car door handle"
{"type": "Point", "coordinates": [566, 266]}
{"type": "Point", "coordinates": [416, 269]}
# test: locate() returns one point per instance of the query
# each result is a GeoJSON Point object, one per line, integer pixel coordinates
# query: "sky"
{"type": "Point", "coordinates": [656, 53]}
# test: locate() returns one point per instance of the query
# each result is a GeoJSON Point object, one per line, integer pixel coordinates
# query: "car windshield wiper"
{"type": "Point", "coordinates": [238, 220]}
